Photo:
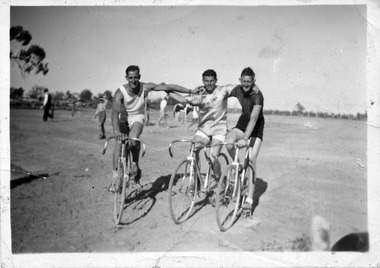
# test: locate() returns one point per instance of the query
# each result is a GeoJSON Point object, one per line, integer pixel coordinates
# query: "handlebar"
{"type": "Point", "coordinates": [124, 138]}
{"type": "Point", "coordinates": [235, 144]}
{"type": "Point", "coordinates": [175, 141]}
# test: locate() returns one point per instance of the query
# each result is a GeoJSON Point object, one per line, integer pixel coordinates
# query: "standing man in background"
{"type": "Point", "coordinates": [101, 112]}
{"type": "Point", "coordinates": [47, 105]}
{"type": "Point", "coordinates": [163, 104]}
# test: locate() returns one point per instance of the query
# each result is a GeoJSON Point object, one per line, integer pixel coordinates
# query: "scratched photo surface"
{"type": "Point", "coordinates": [310, 65]}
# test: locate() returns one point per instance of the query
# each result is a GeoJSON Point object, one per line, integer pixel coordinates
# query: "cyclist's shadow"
{"type": "Point", "coordinates": [141, 201]}
{"type": "Point", "coordinates": [260, 188]}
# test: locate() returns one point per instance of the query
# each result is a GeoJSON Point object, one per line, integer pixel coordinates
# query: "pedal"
{"type": "Point", "coordinates": [247, 213]}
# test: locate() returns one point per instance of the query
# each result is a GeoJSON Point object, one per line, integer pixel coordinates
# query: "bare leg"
{"type": "Point", "coordinates": [214, 157]}
{"type": "Point", "coordinates": [233, 136]}
{"type": "Point", "coordinates": [254, 152]}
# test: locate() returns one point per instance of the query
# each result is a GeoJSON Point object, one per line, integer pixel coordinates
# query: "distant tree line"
{"type": "Point", "coordinates": [87, 99]}
{"type": "Point", "coordinates": [35, 95]}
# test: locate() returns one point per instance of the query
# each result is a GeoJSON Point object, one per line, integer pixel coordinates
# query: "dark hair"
{"type": "Point", "coordinates": [248, 72]}
{"type": "Point", "coordinates": [209, 72]}
{"type": "Point", "coordinates": [132, 68]}
{"type": "Point", "coordinates": [46, 90]}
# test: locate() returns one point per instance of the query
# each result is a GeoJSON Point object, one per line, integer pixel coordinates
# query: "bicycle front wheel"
{"type": "Point", "coordinates": [227, 198]}
{"type": "Point", "coordinates": [120, 191]}
{"type": "Point", "coordinates": [182, 191]}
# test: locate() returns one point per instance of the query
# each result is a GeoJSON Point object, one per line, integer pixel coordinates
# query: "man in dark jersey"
{"type": "Point", "coordinates": [250, 124]}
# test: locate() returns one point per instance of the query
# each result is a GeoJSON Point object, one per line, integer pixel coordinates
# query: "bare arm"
{"type": "Point", "coordinates": [116, 108]}
{"type": "Point", "coordinates": [97, 111]}
{"type": "Point", "coordinates": [173, 87]}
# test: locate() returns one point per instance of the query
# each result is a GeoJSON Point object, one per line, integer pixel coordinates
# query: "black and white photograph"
{"type": "Point", "coordinates": [190, 134]}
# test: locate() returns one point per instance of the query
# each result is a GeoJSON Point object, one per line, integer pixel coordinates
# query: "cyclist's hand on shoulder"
{"type": "Point", "coordinates": [198, 90]}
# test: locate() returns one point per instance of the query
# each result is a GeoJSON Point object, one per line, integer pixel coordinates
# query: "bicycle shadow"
{"type": "Point", "coordinates": [141, 201]}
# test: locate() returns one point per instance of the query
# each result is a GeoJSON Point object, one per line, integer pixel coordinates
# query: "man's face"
{"type": "Point", "coordinates": [209, 82]}
{"type": "Point", "coordinates": [133, 78]}
{"type": "Point", "coordinates": [247, 82]}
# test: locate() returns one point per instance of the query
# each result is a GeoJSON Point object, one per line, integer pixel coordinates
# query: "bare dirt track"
{"type": "Point", "coordinates": [303, 171]}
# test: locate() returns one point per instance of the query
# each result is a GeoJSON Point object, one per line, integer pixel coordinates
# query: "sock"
{"type": "Point", "coordinates": [249, 200]}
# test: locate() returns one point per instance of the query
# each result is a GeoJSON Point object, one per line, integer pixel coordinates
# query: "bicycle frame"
{"type": "Point", "coordinates": [191, 157]}
{"type": "Point", "coordinates": [125, 159]}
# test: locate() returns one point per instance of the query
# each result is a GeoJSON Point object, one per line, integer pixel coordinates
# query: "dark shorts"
{"type": "Point", "coordinates": [258, 130]}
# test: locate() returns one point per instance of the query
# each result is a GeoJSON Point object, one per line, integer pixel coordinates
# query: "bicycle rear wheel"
{"type": "Point", "coordinates": [227, 198]}
{"type": "Point", "coordinates": [120, 191]}
{"type": "Point", "coordinates": [182, 192]}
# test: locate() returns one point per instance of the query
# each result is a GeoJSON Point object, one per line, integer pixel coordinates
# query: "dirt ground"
{"type": "Point", "coordinates": [303, 170]}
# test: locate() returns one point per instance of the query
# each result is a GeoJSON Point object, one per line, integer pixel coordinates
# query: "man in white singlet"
{"type": "Point", "coordinates": [128, 116]}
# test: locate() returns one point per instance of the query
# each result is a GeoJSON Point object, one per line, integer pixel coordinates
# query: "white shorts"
{"type": "Point", "coordinates": [217, 132]}
{"type": "Point", "coordinates": [133, 118]}
{"type": "Point", "coordinates": [136, 118]}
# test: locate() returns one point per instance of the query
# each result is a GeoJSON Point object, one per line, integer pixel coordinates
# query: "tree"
{"type": "Point", "coordinates": [16, 93]}
{"type": "Point", "coordinates": [36, 92]}
{"type": "Point", "coordinates": [28, 59]}
{"type": "Point", "coordinates": [86, 95]}
{"type": "Point", "coordinates": [108, 95]}
{"type": "Point", "coordinates": [299, 108]}
{"type": "Point", "coordinates": [68, 95]}
{"type": "Point", "coordinates": [58, 96]}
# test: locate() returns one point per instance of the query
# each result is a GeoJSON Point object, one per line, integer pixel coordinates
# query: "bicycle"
{"type": "Point", "coordinates": [187, 182]}
{"type": "Point", "coordinates": [233, 188]}
{"type": "Point", "coordinates": [124, 189]}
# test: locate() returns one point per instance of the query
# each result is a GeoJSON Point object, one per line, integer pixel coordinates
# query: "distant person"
{"type": "Point", "coordinates": [101, 113]}
{"type": "Point", "coordinates": [177, 109]}
{"type": "Point", "coordinates": [147, 111]}
{"type": "Point", "coordinates": [195, 114]}
{"type": "Point", "coordinates": [163, 115]}
{"type": "Point", "coordinates": [47, 105]}
{"type": "Point", "coordinates": [73, 101]}
{"type": "Point", "coordinates": [128, 116]}
{"type": "Point", "coordinates": [188, 109]}
{"type": "Point", "coordinates": [250, 124]}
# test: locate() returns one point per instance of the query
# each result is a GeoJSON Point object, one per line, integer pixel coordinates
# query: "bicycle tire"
{"type": "Point", "coordinates": [248, 175]}
{"type": "Point", "coordinates": [180, 197]}
{"type": "Point", "coordinates": [227, 198]}
{"type": "Point", "coordinates": [120, 191]}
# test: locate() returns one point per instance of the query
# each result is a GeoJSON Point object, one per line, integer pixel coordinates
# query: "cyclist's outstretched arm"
{"type": "Point", "coordinates": [174, 88]}
{"type": "Point", "coordinates": [116, 109]}
{"type": "Point", "coordinates": [149, 87]}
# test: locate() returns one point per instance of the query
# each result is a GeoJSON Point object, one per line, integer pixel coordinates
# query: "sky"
{"type": "Point", "coordinates": [311, 54]}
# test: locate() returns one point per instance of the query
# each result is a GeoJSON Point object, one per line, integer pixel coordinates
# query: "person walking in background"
{"type": "Point", "coordinates": [101, 113]}
{"type": "Point", "coordinates": [147, 111]}
{"type": "Point", "coordinates": [177, 110]}
{"type": "Point", "coordinates": [163, 115]}
{"type": "Point", "coordinates": [47, 105]}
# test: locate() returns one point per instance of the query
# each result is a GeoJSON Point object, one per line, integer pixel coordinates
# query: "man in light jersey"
{"type": "Point", "coordinates": [128, 116]}
{"type": "Point", "coordinates": [250, 124]}
{"type": "Point", "coordinates": [163, 105]}
{"type": "Point", "coordinates": [212, 103]}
